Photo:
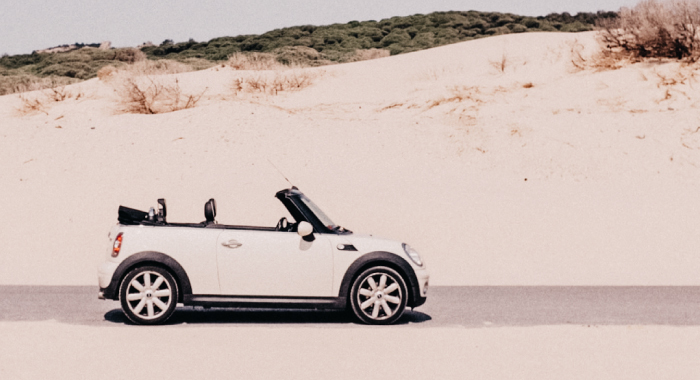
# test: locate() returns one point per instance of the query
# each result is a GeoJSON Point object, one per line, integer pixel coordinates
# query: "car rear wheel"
{"type": "Point", "coordinates": [378, 296]}
{"type": "Point", "coordinates": [148, 295]}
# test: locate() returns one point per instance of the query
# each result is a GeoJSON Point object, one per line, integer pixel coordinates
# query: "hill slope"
{"type": "Point", "coordinates": [307, 45]}
{"type": "Point", "coordinates": [497, 159]}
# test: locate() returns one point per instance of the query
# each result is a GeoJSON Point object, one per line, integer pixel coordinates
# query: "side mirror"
{"type": "Point", "coordinates": [304, 229]}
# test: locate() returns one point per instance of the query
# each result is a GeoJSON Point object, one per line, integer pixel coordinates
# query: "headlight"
{"type": "Point", "coordinates": [412, 254]}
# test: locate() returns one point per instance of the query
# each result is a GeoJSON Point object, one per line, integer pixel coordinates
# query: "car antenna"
{"type": "Point", "coordinates": [282, 174]}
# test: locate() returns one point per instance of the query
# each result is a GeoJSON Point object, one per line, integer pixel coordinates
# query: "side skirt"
{"type": "Point", "coordinates": [265, 302]}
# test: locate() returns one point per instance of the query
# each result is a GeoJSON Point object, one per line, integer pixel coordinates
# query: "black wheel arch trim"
{"type": "Point", "coordinates": [149, 258]}
{"type": "Point", "coordinates": [379, 258]}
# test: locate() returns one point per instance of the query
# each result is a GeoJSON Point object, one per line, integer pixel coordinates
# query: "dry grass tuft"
{"type": "Point", "coordinates": [40, 102]}
{"type": "Point", "coordinates": [106, 72]}
{"type": "Point", "coordinates": [13, 84]}
{"type": "Point", "coordinates": [272, 84]}
{"type": "Point", "coordinates": [254, 61]}
{"type": "Point", "coordinates": [653, 29]}
{"type": "Point", "coordinates": [501, 64]}
{"type": "Point", "coordinates": [459, 94]}
{"type": "Point", "coordinates": [367, 54]}
{"type": "Point", "coordinates": [144, 68]}
{"type": "Point", "coordinates": [157, 67]}
{"type": "Point", "coordinates": [151, 96]}
{"type": "Point", "coordinates": [31, 105]}
{"type": "Point", "coordinates": [130, 55]}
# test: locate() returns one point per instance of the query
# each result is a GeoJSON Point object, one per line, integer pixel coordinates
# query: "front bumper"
{"type": "Point", "coordinates": [423, 277]}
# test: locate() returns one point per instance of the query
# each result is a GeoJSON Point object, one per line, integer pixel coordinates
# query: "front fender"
{"type": "Point", "coordinates": [387, 259]}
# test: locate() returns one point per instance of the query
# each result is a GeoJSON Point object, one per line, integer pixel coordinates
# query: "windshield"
{"type": "Point", "coordinates": [317, 211]}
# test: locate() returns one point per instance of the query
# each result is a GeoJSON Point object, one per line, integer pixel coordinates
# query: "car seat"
{"type": "Point", "coordinates": [210, 212]}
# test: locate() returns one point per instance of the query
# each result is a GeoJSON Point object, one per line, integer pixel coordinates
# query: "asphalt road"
{"type": "Point", "coordinates": [478, 306]}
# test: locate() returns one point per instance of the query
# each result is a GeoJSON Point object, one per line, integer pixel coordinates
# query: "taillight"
{"type": "Point", "coordinates": [117, 245]}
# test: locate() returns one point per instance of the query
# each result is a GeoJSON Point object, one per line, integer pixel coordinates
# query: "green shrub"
{"type": "Point", "coordinates": [395, 37]}
{"type": "Point", "coordinates": [531, 23]}
{"type": "Point", "coordinates": [517, 28]}
{"type": "Point", "coordinates": [300, 56]}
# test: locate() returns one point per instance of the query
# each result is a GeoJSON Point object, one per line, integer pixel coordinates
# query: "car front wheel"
{"type": "Point", "coordinates": [378, 296]}
{"type": "Point", "coordinates": [148, 295]}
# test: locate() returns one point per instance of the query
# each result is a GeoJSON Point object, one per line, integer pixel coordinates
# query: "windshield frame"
{"type": "Point", "coordinates": [303, 208]}
{"type": "Point", "coordinates": [318, 213]}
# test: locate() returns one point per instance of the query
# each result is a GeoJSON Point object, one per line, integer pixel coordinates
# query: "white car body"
{"type": "Point", "coordinates": [239, 266]}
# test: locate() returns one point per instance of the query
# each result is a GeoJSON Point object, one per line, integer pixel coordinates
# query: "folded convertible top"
{"type": "Point", "coordinates": [130, 216]}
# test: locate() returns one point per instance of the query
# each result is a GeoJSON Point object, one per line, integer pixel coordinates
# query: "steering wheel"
{"type": "Point", "coordinates": [282, 225]}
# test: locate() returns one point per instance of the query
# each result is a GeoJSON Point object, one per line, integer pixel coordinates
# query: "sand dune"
{"type": "Point", "coordinates": [496, 158]}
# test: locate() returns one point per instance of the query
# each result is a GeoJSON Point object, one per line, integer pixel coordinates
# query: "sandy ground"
{"type": "Point", "coordinates": [219, 352]}
{"type": "Point", "coordinates": [497, 159]}
{"type": "Point", "coordinates": [534, 333]}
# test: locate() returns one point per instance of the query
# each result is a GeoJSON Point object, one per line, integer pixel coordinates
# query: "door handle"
{"type": "Point", "coordinates": [233, 243]}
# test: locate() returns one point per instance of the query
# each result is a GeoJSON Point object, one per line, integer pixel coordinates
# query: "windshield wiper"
{"type": "Point", "coordinates": [341, 229]}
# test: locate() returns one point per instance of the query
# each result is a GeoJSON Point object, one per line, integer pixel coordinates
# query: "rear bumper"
{"type": "Point", "coordinates": [105, 273]}
{"type": "Point", "coordinates": [105, 276]}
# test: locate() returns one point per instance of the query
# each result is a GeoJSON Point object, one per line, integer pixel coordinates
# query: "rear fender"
{"type": "Point", "coordinates": [149, 258]}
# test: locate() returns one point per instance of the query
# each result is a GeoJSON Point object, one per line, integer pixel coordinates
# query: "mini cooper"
{"type": "Point", "coordinates": [305, 262]}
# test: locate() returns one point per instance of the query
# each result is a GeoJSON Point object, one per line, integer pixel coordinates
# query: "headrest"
{"type": "Point", "coordinates": [210, 210]}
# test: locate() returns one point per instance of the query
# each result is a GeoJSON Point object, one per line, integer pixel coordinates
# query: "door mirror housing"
{"type": "Point", "coordinates": [304, 229]}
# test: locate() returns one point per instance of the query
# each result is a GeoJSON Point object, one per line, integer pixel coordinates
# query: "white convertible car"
{"type": "Point", "coordinates": [310, 263]}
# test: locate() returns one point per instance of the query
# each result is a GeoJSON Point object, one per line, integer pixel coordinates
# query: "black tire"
{"type": "Point", "coordinates": [156, 299]}
{"type": "Point", "coordinates": [383, 303]}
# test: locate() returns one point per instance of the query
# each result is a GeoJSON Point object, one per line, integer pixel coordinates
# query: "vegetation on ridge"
{"type": "Point", "coordinates": [300, 45]}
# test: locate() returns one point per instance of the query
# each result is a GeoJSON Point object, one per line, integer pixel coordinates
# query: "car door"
{"type": "Point", "coordinates": [274, 263]}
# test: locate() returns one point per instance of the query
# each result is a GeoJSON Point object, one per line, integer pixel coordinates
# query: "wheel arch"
{"type": "Point", "coordinates": [381, 258]}
{"type": "Point", "coordinates": [153, 258]}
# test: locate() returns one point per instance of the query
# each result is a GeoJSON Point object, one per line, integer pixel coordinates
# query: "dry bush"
{"type": "Point", "coordinates": [106, 72]}
{"type": "Point", "coordinates": [12, 84]}
{"type": "Point", "coordinates": [31, 105]}
{"type": "Point", "coordinates": [653, 29]}
{"type": "Point", "coordinates": [196, 64]}
{"type": "Point", "coordinates": [272, 84]}
{"type": "Point", "coordinates": [59, 94]}
{"type": "Point", "coordinates": [367, 54]}
{"type": "Point", "coordinates": [577, 59]}
{"type": "Point", "coordinates": [152, 96]}
{"type": "Point", "coordinates": [144, 68]}
{"type": "Point", "coordinates": [254, 61]}
{"type": "Point", "coordinates": [300, 56]}
{"type": "Point", "coordinates": [130, 55]}
{"type": "Point", "coordinates": [157, 67]}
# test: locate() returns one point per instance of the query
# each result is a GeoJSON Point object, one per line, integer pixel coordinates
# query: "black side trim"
{"type": "Point", "coordinates": [154, 258]}
{"type": "Point", "coordinates": [265, 302]}
{"type": "Point", "coordinates": [387, 259]}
